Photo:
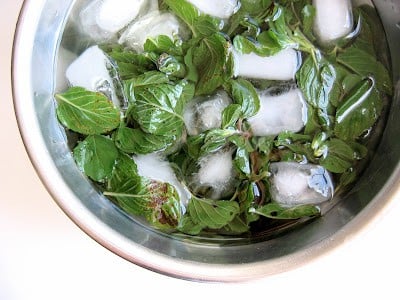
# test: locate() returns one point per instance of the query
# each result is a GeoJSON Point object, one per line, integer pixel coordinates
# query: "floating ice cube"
{"type": "Point", "coordinates": [114, 15]}
{"type": "Point", "coordinates": [154, 166]}
{"type": "Point", "coordinates": [221, 9]}
{"type": "Point", "coordinates": [102, 19]}
{"type": "Point", "coordinates": [215, 178]}
{"type": "Point", "coordinates": [333, 19]}
{"type": "Point", "coordinates": [278, 113]}
{"type": "Point", "coordinates": [281, 66]}
{"type": "Point", "coordinates": [297, 184]}
{"type": "Point", "coordinates": [150, 25]}
{"type": "Point", "coordinates": [91, 71]}
{"type": "Point", "coordinates": [204, 113]}
{"type": "Point", "coordinates": [64, 59]}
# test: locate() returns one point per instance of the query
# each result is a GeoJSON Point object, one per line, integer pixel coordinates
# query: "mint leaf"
{"type": "Point", "coordinates": [236, 226]}
{"type": "Point", "coordinates": [171, 66]}
{"type": "Point", "coordinates": [158, 202]}
{"type": "Point", "coordinates": [189, 227]}
{"type": "Point", "coordinates": [200, 24]}
{"type": "Point", "coordinates": [87, 112]}
{"type": "Point", "coordinates": [124, 178]}
{"type": "Point", "coordinates": [318, 82]}
{"type": "Point", "coordinates": [366, 65]}
{"type": "Point", "coordinates": [213, 60]}
{"type": "Point", "coordinates": [215, 140]}
{"type": "Point", "coordinates": [211, 213]}
{"type": "Point", "coordinates": [275, 211]}
{"type": "Point", "coordinates": [162, 44]}
{"type": "Point", "coordinates": [308, 16]}
{"type": "Point", "coordinates": [146, 79]}
{"type": "Point", "coordinates": [359, 111]}
{"type": "Point", "coordinates": [242, 161]}
{"type": "Point", "coordinates": [135, 140]}
{"type": "Point", "coordinates": [263, 45]}
{"type": "Point", "coordinates": [244, 94]}
{"type": "Point", "coordinates": [96, 156]}
{"type": "Point", "coordinates": [231, 115]}
{"type": "Point", "coordinates": [158, 108]}
{"type": "Point", "coordinates": [129, 63]}
{"type": "Point", "coordinates": [338, 156]}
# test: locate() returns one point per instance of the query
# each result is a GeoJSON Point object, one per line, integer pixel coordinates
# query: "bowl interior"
{"type": "Point", "coordinates": [37, 41]}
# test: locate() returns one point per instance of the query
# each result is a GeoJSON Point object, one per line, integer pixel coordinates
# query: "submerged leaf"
{"type": "Point", "coordinates": [359, 111]}
{"type": "Point", "coordinates": [96, 157]}
{"type": "Point", "coordinates": [136, 141]}
{"type": "Point", "coordinates": [275, 211]}
{"type": "Point", "coordinates": [244, 94]}
{"type": "Point", "coordinates": [212, 214]}
{"type": "Point", "coordinates": [157, 201]}
{"type": "Point", "coordinates": [158, 108]}
{"type": "Point", "coordinates": [213, 60]}
{"type": "Point", "coordinates": [87, 112]}
{"type": "Point", "coordinates": [367, 65]}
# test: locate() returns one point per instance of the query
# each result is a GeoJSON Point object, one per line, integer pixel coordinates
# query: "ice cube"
{"type": "Point", "coordinates": [333, 19]}
{"type": "Point", "coordinates": [204, 113]}
{"type": "Point", "coordinates": [102, 19]}
{"type": "Point", "coordinates": [221, 9]}
{"type": "Point", "coordinates": [216, 176]}
{"type": "Point", "coordinates": [295, 184]}
{"type": "Point", "coordinates": [64, 59]}
{"type": "Point", "coordinates": [155, 167]}
{"type": "Point", "coordinates": [281, 66]}
{"type": "Point", "coordinates": [282, 112]}
{"type": "Point", "coordinates": [150, 25]}
{"type": "Point", "coordinates": [116, 14]}
{"type": "Point", "coordinates": [91, 71]}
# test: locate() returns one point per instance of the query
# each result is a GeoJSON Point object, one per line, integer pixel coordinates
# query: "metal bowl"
{"type": "Point", "coordinates": [38, 36]}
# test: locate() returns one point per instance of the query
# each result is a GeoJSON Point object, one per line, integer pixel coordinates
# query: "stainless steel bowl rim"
{"type": "Point", "coordinates": [120, 244]}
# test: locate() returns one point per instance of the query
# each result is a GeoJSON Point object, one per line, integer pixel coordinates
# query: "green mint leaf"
{"type": "Point", "coordinates": [367, 65]}
{"type": "Point", "coordinates": [158, 108]}
{"type": "Point", "coordinates": [215, 140]}
{"type": "Point", "coordinates": [244, 94]}
{"type": "Point", "coordinates": [275, 211]}
{"type": "Point", "coordinates": [163, 44]}
{"type": "Point", "coordinates": [338, 156]}
{"type": "Point", "coordinates": [213, 214]}
{"type": "Point", "coordinates": [236, 226]}
{"type": "Point", "coordinates": [264, 45]}
{"type": "Point", "coordinates": [124, 178]}
{"type": "Point", "coordinates": [213, 60]}
{"type": "Point", "coordinates": [191, 71]}
{"type": "Point", "coordinates": [308, 15]}
{"type": "Point", "coordinates": [136, 141]}
{"type": "Point", "coordinates": [371, 38]}
{"type": "Point", "coordinates": [158, 202]}
{"type": "Point", "coordinates": [248, 197]}
{"type": "Point", "coordinates": [189, 227]}
{"type": "Point", "coordinates": [318, 82]}
{"type": "Point", "coordinates": [242, 161]}
{"type": "Point", "coordinates": [359, 111]}
{"type": "Point", "coordinates": [200, 24]}
{"type": "Point", "coordinates": [87, 112]}
{"type": "Point", "coordinates": [347, 178]}
{"type": "Point", "coordinates": [96, 157]}
{"type": "Point", "coordinates": [194, 144]}
{"type": "Point", "coordinates": [255, 8]}
{"type": "Point", "coordinates": [129, 63]}
{"type": "Point", "coordinates": [206, 25]}
{"type": "Point", "coordinates": [231, 115]}
{"type": "Point", "coordinates": [144, 80]}
{"type": "Point", "coordinates": [171, 66]}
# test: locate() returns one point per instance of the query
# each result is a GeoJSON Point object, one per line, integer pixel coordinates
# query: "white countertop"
{"type": "Point", "coordinates": [44, 255]}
